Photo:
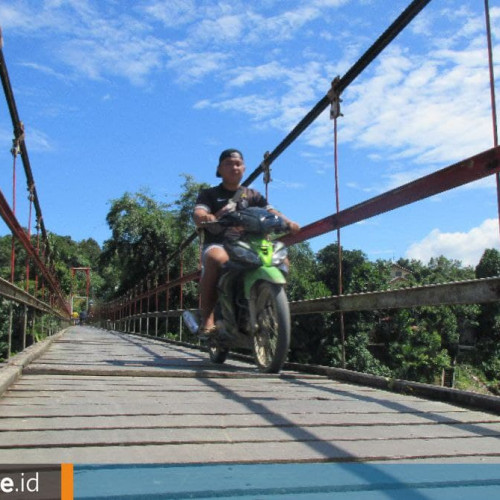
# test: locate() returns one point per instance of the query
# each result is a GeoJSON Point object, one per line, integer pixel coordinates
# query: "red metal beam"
{"type": "Point", "coordinates": [18, 231]}
{"type": "Point", "coordinates": [193, 276]}
{"type": "Point", "coordinates": [469, 170]}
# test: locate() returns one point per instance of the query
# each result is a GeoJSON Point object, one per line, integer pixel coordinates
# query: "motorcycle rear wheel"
{"type": "Point", "coordinates": [271, 340]}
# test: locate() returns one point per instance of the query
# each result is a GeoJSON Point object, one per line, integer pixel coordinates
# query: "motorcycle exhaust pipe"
{"type": "Point", "coordinates": [190, 321]}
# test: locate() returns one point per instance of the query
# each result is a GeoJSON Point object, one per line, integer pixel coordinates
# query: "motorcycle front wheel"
{"type": "Point", "coordinates": [271, 339]}
{"type": "Point", "coordinates": [217, 354]}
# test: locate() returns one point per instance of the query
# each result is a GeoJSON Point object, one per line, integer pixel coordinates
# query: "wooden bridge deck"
{"type": "Point", "coordinates": [104, 397]}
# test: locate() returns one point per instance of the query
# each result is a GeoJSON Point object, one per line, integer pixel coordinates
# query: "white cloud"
{"type": "Point", "coordinates": [285, 184]}
{"type": "Point", "coordinates": [172, 13]}
{"type": "Point", "coordinates": [222, 30]}
{"type": "Point", "coordinates": [191, 67]}
{"type": "Point", "coordinates": [251, 74]}
{"type": "Point", "coordinates": [195, 40]}
{"type": "Point", "coordinates": [257, 107]}
{"type": "Point", "coordinates": [467, 247]}
{"type": "Point", "coordinates": [38, 141]}
{"type": "Point", "coordinates": [423, 109]}
{"type": "Point", "coordinates": [45, 69]}
{"type": "Point", "coordinates": [428, 110]}
{"type": "Point", "coordinates": [101, 42]}
{"type": "Point", "coordinates": [133, 59]}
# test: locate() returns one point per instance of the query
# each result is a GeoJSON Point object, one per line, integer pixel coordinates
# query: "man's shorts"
{"type": "Point", "coordinates": [206, 248]}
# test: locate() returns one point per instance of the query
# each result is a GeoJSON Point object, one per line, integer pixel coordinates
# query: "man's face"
{"type": "Point", "coordinates": [232, 168]}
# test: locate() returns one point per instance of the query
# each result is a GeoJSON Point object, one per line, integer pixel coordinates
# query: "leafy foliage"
{"type": "Point", "coordinates": [143, 236]}
{"type": "Point", "coordinates": [417, 355]}
{"type": "Point", "coordinates": [488, 347]}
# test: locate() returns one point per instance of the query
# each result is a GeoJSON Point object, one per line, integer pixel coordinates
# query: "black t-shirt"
{"type": "Point", "coordinates": [215, 198]}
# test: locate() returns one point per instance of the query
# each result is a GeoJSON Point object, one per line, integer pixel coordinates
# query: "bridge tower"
{"type": "Point", "coordinates": [86, 270]}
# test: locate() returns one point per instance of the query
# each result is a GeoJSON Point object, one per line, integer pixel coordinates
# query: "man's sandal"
{"type": "Point", "coordinates": [206, 333]}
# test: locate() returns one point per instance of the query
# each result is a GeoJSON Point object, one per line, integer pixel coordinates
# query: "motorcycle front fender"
{"type": "Point", "coordinates": [271, 274]}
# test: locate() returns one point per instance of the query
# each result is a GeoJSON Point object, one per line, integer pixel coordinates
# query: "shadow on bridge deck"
{"type": "Point", "coordinates": [104, 397]}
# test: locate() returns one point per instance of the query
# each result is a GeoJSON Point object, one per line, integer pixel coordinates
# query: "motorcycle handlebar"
{"type": "Point", "coordinates": [232, 219]}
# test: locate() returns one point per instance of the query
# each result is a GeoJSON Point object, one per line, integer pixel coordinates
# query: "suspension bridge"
{"type": "Point", "coordinates": [118, 391]}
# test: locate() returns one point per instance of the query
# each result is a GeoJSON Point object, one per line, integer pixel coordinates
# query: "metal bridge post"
{"type": "Point", "coordinates": [33, 325]}
{"type": "Point", "coordinates": [181, 291]}
{"type": "Point", "coordinates": [25, 323]}
{"type": "Point", "coordinates": [129, 317]}
{"type": "Point", "coordinates": [134, 310]}
{"type": "Point", "coordinates": [141, 301]}
{"type": "Point", "coordinates": [9, 334]}
{"type": "Point", "coordinates": [148, 286]}
{"type": "Point", "coordinates": [167, 299]}
{"type": "Point", "coordinates": [156, 305]}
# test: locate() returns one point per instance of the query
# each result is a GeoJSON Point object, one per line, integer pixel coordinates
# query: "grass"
{"type": "Point", "coordinates": [469, 378]}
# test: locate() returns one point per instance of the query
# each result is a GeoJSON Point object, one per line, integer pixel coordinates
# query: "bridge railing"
{"type": "Point", "coordinates": [139, 310]}
{"type": "Point", "coordinates": [32, 305]}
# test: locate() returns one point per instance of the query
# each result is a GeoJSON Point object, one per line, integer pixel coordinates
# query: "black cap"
{"type": "Point", "coordinates": [226, 154]}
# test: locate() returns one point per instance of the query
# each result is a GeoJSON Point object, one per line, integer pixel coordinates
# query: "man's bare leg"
{"type": "Point", "coordinates": [213, 261]}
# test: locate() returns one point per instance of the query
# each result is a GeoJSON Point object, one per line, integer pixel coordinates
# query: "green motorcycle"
{"type": "Point", "coordinates": [252, 310]}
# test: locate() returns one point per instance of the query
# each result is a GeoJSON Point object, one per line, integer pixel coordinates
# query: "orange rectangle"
{"type": "Point", "coordinates": [66, 481]}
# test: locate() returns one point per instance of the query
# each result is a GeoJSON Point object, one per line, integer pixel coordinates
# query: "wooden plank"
{"type": "Point", "coordinates": [469, 450]}
{"type": "Point", "coordinates": [164, 420]}
{"type": "Point", "coordinates": [275, 434]}
{"type": "Point", "coordinates": [153, 403]}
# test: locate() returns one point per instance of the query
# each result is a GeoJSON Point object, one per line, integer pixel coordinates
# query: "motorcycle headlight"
{"type": "Point", "coordinates": [280, 253]}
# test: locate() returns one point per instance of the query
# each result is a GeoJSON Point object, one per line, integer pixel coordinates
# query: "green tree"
{"type": "Point", "coordinates": [310, 333]}
{"type": "Point", "coordinates": [67, 253]}
{"type": "Point", "coordinates": [328, 267]}
{"type": "Point", "coordinates": [185, 227]}
{"type": "Point", "coordinates": [185, 205]}
{"type": "Point", "coordinates": [414, 352]}
{"type": "Point", "coordinates": [417, 355]}
{"type": "Point", "coordinates": [358, 275]}
{"type": "Point", "coordinates": [302, 281]}
{"type": "Point", "coordinates": [489, 264]}
{"type": "Point", "coordinates": [438, 270]}
{"type": "Point", "coordinates": [488, 345]}
{"type": "Point", "coordinates": [143, 236]}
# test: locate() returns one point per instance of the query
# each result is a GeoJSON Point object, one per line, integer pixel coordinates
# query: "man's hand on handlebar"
{"type": "Point", "coordinates": [207, 218]}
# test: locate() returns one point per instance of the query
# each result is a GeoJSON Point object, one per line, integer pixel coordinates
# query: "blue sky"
{"type": "Point", "coordinates": [120, 95]}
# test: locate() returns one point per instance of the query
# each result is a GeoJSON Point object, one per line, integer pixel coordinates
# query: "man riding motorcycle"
{"type": "Point", "coordinates": [212, 204]}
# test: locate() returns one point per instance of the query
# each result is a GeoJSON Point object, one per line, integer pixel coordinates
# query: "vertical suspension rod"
{"type": "Point", "coordinates": [13, 247]}
{"type": "Point", "coordinates": [29, 238]}
{"type": "Point", "coordinates": [339, 245]}
{"type": "Point", "coordinates": [492, 93]}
